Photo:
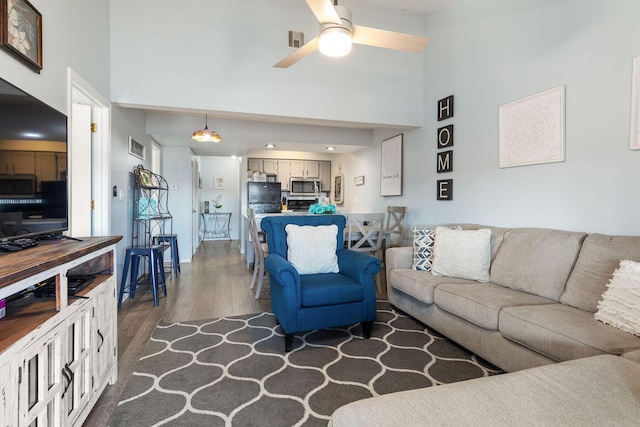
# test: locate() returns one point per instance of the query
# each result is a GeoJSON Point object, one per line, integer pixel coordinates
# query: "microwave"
{"type": "Point", "coordinates": [304, 188]}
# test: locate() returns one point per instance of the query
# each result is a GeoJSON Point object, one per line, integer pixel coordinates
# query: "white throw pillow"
{"type": "Point", "coordinates": [620, 304]}
{"type": "Point", "coordinates": [312, 249]}
{"type": "Point", "coordinates": [465, 254]}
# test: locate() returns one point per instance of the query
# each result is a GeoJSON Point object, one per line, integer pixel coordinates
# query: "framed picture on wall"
{"type": "Point", "coordinates": [338, 189]}
{"type": "Point", "coordinates": [136, 149]}
{"type": "Point", "coordinates": [391, 167]}
{"type": "Point", "coordinates": [21, 32]}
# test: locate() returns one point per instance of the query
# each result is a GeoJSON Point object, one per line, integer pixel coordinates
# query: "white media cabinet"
{"type": "Point", "coordinates": [57, 354]}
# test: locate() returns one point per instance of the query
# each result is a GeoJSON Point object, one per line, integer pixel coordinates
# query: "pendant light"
{"type": "Point", "coordinates": [206, 135]}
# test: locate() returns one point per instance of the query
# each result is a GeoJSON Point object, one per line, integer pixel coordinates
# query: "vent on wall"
{"type": "Point", "coordinates": [296, 39]}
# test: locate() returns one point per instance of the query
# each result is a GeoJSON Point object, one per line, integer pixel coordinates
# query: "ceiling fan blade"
{"type": "Point", "coordinates": [324, 11]}
{"type": "Point", "coordinates": [301, 52]}
{"type": "Point", "coordinates": [388, 39]}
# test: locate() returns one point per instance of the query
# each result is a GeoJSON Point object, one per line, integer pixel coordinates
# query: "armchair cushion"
{"type": "Point", "coordinates": [329, 289]}
{"type": "Point", "coordinates": [312, 250]}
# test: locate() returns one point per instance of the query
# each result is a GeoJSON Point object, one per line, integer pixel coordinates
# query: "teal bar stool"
{"type": "Point", "coordinates": [155, 261]}
{"type": "Point", "coordinates": [172, 240]}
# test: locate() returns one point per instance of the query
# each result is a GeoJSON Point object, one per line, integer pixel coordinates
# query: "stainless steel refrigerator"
{"type": "Point", "coordinates": [264, 197]}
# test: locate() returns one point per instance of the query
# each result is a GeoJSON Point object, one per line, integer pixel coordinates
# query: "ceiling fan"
{"type": "Point", "coordinates": [337, 32]}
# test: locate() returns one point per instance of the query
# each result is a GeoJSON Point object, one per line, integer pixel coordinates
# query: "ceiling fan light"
{"type": "Point", "coordinates": [335, 42]}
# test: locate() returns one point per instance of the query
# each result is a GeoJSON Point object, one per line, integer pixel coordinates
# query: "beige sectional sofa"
{"type": "Point", "coordinates": [538, 307]}
{"type": "Point", "coordinates": [593, 391]}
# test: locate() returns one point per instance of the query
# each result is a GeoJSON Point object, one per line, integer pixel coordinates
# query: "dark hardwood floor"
{"type": "Point", "coordinates": [215, 284]}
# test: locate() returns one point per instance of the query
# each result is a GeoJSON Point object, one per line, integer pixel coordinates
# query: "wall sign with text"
{"type": "Point", "coordinates": [444, 159]}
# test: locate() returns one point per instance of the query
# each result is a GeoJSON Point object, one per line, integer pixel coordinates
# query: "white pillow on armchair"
{"type": "Point", "coordinates": [312, 249]}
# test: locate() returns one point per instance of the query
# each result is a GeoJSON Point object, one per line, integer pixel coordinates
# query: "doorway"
{"type": "Point", "coordinates": [89, 205]}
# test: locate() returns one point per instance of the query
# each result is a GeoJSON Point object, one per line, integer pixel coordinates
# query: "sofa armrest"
{"type": "Point", "coordinates": [401, 257]}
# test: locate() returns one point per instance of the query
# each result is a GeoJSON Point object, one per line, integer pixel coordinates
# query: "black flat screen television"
{"type": "Point", "coordinates": [33, 166]}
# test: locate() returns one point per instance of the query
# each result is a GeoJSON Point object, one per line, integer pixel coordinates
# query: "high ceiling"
{"type": "Point", "coordinates": [421, 7]}
{"type": "Point", "coordinates": [243, 133]}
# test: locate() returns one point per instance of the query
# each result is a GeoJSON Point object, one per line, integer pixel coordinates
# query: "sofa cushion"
{"type": "Point", "coordinates": [562, 332]}
{"type": "Point", "coordinates": [465, 254]}
{"type": "Point", "coordinates": [419, 284]}
{"type": "Point", "coordinates": [317, 290]}
{"type": "Point", "coordinates": [312, 249]}
{"type": "Point", "coordinates": [481, 303]}
{"type": "Point", "coordinates": [599, 257]}
{"type": "Point", "coordinates": [536, 260]}
{"type": "Point", "coordinates": [620, 305]}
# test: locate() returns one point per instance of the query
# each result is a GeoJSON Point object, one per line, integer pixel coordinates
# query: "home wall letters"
{"type": "Point", "coordinates": [444, 159]}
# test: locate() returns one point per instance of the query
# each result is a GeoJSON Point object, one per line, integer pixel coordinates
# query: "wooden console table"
{"type": "Point", "coordinates": [57, 354]}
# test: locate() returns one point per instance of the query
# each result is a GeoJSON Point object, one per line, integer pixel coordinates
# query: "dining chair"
{"type": "Point", "coordinates": [260, 250]}
{"type": "Point", "coordinates": [365, 233]}
{"type": "Point", "coordinates": [394, 226]}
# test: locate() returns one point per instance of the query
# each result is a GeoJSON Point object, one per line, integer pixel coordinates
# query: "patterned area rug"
{"type": "Point", "coordinates": [233, 370]}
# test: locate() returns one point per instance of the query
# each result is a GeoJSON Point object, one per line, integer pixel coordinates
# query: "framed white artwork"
{"type": "Point", "coordinates": [391, 167]}
{"type": "Point", "coordinates": [634, 134]}
{"type": "Point", "coordinates": [531, 129]}
{"type": "Point", "coordinates": [218, 182]}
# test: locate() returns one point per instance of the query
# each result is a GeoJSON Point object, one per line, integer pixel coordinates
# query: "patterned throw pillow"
{"type": "Point", "coordinates": [620, 304]}
{"type": "Point", "coordinates": [423, 248]}
{"type": "Point", "coordinates": [423, 238]}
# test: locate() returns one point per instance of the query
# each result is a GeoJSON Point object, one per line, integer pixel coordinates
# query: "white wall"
{"type": "Point", "coordinates": [493, 52]}
{"type": "Point", "coordinates": [227, 167]}
{"type": "Point", "coordinates": [75, 33]}
{"type": "Point", "coordinates": [168, 55]}
{"type": "Point", "coordinates": [176, 169]}
{"type": "Point", "coordinates": [125, 123]}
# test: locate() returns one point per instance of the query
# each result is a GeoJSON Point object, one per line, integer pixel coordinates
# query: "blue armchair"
{"type": "Point", "coordinates": [303, 302]}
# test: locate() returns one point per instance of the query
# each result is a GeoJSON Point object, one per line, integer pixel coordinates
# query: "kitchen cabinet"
{"type": "Point", "coordinates": [305, 169]}
{"type": "Point", "coordinates": [325, 176]}
{"type": "Point", "coordinates": [284, 174]}
{"type": "Point", "coordinates": [61, 160]}
{"type": "Point", "coordinates": [46, 168]}
{"type": "Point", "coordinates": [270, 166]}
{"type": "Point", "coordinates": [255, 165]}
{"type": "Point", "coordinates": [18, 162]}
{"type": "Point", "coordinates": [57, 354]}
